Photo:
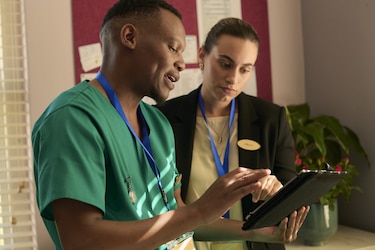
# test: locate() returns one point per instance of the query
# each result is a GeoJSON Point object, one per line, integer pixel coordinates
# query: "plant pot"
{"type": "Point", "coordinates": [320, 225]}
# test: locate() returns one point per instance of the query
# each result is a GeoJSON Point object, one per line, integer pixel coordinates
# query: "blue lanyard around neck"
{"type": "Point", "coordinates": [222, 168]}
{"type": "Point", "coordinates": [145, 143]}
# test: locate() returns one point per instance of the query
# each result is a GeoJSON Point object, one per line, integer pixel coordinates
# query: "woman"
{"type": "Point", "coordinates": [209, 121]}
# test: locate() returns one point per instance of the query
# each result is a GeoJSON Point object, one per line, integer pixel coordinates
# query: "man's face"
{"type": "Point", "coordinates": [163, 42]}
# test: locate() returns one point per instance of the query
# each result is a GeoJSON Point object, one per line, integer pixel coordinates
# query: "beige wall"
{"type": "Point", "coordinates": [50, 64]}
{"type": "Point", "coordinates": [51, 69]}
{"type": "Point", "coordinates": [287, 61]}
{"type": "Point", "coordinates": [339, 41]}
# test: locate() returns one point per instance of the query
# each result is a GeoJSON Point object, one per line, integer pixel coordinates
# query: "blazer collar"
{"type": "Point", "coordinates": [189, 104]}
{"type": "Point", "coordinates": [248, 128]}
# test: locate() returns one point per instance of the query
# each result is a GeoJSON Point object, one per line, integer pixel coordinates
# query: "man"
{"type": "Point", "coordinates": [104, 161]}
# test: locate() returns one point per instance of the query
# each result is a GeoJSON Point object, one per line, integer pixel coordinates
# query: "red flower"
{"type": "Point", "coordinates": [298, 161]}
{"type": "Point", "coordinates": [338, 168]}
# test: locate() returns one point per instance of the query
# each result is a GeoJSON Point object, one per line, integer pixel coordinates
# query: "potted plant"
{"type": "Point", "coordinates": [319, 141]}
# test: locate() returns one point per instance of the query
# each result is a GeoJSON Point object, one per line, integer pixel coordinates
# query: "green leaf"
{"type": "Point", "coordinates": [323, 139]}
{"type": "Point", "coordinates": [356, 144]}
{"type": "Point", "coordinates": [316, 131]}
{"type": "Point", "coordinates": [336, 129]}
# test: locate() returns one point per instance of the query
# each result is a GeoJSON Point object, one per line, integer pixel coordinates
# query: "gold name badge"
{"type": "Point", "coordinates": [247, 144]}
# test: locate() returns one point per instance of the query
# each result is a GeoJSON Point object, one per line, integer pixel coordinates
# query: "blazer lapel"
{"type": "Point", "coordinates": [247, 129]}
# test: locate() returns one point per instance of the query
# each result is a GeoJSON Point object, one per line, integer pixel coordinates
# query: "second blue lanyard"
{"type": "Point", "coordinates": [221, 167]}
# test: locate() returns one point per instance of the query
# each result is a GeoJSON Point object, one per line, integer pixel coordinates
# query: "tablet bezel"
{"type": "Point", "coordinates": [304, 189]}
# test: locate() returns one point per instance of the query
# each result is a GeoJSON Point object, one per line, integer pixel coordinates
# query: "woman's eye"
{"type": "Point", "coordinates": [245, 70]}
{"type": "Point", "coordinates": [225, 64]}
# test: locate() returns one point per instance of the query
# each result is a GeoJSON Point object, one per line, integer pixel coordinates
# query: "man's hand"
{"type": "Point", "coordinates": [226, 190]}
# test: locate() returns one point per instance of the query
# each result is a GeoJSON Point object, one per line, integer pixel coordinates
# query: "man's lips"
{"type": "Point", "coordinates": [170, 80]}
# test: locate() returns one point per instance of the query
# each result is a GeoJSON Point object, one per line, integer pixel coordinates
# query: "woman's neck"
{"type": "Point", "coordinates": [216, 110]}
{"type": "Point", "coordinates": [214, 107]}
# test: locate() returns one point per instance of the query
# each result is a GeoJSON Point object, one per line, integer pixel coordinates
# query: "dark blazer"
{"type": "Point", "coordinates": [258, 120]}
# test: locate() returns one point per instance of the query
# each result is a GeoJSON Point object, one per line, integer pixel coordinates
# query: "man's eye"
{"type": "Point", "coordinates": [173, 49]}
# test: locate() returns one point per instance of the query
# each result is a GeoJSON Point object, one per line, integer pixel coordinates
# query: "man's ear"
{"type": "Point", "coordinates": [128, 35]}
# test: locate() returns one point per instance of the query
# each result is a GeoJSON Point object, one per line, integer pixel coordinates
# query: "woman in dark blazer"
{"type": "Point", "coordinates": [226, 60]}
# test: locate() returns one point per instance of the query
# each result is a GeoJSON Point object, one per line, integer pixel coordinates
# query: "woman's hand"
{"type": "Point", "coordinates": [269, 186]}
{"type": "Point", "coordinates": [287, 230]}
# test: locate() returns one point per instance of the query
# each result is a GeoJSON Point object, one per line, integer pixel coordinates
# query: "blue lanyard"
{"type": "Point", "coordinates": [145, 143]}
{"type": "Point", "coordinates": [222, 168]}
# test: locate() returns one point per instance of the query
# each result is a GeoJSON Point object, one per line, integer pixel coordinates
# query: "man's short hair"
{"type": "Point", "coordinates": [137, 8]}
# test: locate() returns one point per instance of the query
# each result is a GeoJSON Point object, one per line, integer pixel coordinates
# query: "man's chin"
{"type": "Point", "coordinates": [158, 98]}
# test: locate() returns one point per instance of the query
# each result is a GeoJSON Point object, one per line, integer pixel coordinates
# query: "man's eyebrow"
{"type": "Point", "coordinates": [231, 60]}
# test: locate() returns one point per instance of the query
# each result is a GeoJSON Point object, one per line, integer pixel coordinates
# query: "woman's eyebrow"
{"type": "Point", "coordinates": [232, 61]}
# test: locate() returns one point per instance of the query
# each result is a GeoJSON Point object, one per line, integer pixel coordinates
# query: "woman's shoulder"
{"type": "Point", "coordinates": [179, 103]}
{"type": "Point", "coordinates": [258, 102]}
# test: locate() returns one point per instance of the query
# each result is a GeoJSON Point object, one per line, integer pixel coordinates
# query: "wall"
{"type": "Point", "coordinates": [287, 65]}
{"type": "Point", "coordinates": [339, 53]}
{"type": "Point", "coordinates": [51, 62]}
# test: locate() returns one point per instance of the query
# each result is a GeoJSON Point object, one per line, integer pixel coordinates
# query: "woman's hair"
{"type": "Point", "coordinates": [230, 26]}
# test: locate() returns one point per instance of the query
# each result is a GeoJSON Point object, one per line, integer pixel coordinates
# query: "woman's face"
{"type": "Point", "coordinates": [228, 67]}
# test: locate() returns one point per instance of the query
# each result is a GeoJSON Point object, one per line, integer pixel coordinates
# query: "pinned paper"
{"type": "Point", "coordinates": [90, 56]}
{"type": "Point", "coordinates": [190, 54]}
{"type": "Point", "coordinates": [209, 12]}
{"type": "Point", "coordinates": [88, 76]}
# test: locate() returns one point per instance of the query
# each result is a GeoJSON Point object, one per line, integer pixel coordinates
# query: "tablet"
{"type": "Point", "coordinates": [304, 189]}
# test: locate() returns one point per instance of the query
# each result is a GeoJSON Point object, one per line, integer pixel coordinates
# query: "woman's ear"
{"type": "Point", "coordinates": [201, 58]}
{"type": "Point", "coordinates": [128, 35]}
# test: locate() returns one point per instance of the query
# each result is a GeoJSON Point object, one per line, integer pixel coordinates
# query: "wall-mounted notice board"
{"type": "Point", "coordinates": [88, 16]}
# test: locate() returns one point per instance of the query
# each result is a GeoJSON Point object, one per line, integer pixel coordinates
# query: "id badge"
{"type": "Point", "coordinates": [184, 242]}
{"type": "Point", "coordinates": [227, 246]}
